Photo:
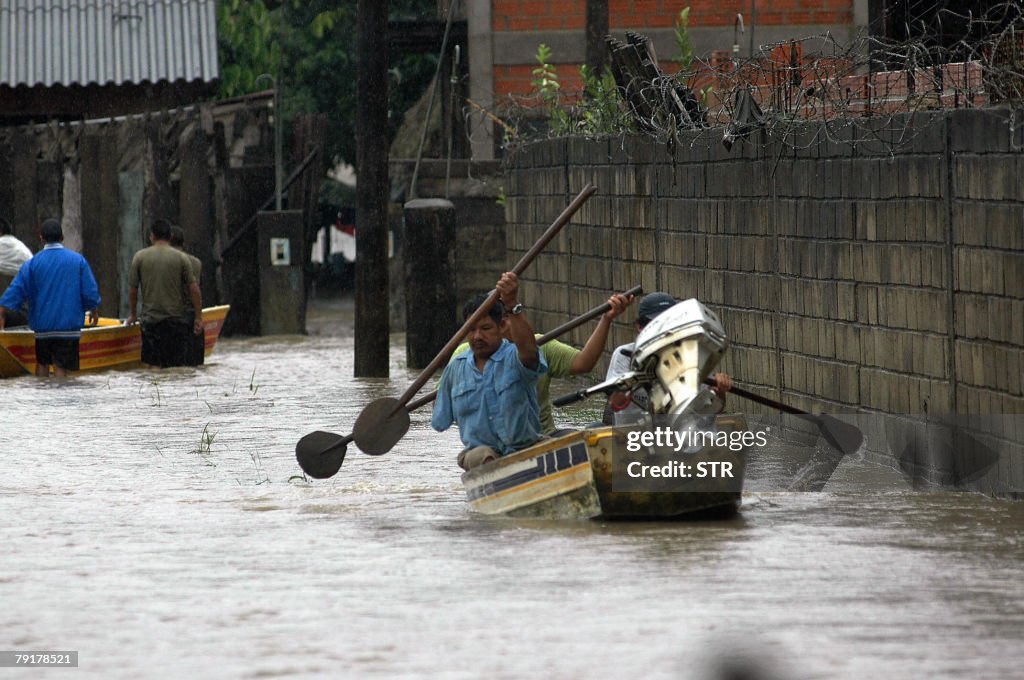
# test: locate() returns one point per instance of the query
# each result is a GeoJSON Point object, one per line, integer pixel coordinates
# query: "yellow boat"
{"type": "Point", "coordinates": [109, 344]}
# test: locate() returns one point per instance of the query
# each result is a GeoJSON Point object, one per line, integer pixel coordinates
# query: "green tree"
{"type": "Point", "coordinates": [310, 47]}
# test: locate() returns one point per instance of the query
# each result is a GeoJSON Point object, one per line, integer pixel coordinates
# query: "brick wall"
{"type": "Point", "coordinates": [851, 276]}
{"type": "Point", "coordinates": [715, 18]}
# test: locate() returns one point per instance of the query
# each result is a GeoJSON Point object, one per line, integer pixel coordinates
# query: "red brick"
{"type": "Point", "coordinates": [660, 21]}
{"type": "Point", "coordinates": [550, 22]}
{"type": "Point", "coordinates": [832, 18]}
{"type": "Point", "coordinates": [533, 8]}
{"type": "Point", "coordinates": [798, 18]}
{"type": "Point", "coordinates": [504, 8]}
{"type": "Point", "coordinates": [771, 18]}
{"type": "Point", "coordinates": [567, 8]}
{"type": "Point", "coordinates": [521, 71]}
{"type": "Point", "coordinates": [522, 23]}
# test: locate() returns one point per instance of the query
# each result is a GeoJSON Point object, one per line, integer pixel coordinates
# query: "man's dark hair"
{"type": "Point", "coordinates": [5, 227]}
{"type": "Point", "coordinates": [177, 238]}
{"type": "Point", "coordinates": [51, 231]}
{"type": "Point", "coordinates": [651, 305]}
{"type": "Point", "coordinates": [161, 229]}
{"type": "Point", "coordinates": [497, 312]}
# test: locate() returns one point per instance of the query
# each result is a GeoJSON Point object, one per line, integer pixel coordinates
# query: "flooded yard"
{"type": "Point", "coordinates": [157, 523]}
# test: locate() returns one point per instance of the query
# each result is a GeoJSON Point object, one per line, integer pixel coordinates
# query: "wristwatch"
{"type": "Point", "coordinates": [517, 310]}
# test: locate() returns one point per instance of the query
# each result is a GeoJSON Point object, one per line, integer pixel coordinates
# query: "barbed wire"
{"type": "Point", "coordinates": [796, 92]}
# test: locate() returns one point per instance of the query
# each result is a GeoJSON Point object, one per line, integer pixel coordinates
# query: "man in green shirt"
{"type": "Point", "coordinates": [565, 360]}
{"type": "Point", "coordinates": [160, 272]}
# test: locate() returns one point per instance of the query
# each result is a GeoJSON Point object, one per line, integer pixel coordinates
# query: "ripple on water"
{"type": "Point", "coordinates": [158, 520]}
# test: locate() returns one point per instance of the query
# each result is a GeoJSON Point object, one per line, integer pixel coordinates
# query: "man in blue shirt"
{"type": "Point", "coordinates": [59, 287]}
{"type": "Point", "coordinates": [490, 390]}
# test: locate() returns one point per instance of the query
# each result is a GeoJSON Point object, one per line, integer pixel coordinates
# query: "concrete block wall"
{"type": "Point", "coordinates": [855, 276]}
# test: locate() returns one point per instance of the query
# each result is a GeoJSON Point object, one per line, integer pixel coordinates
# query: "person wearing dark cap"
{"type": "Point", "coordinates": [60, 290]}
{"type": "Point", "coordinates": [159, 272]}
{"type": "Point", "coordinates": [636, 402]}
{"type": "Point", "coordinates": [196, 344]}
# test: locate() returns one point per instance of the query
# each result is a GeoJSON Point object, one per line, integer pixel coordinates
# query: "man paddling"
{"type": "Point", "coordinates": [491, 392]}
{"type": "Point", "coordinates": [565, 360]}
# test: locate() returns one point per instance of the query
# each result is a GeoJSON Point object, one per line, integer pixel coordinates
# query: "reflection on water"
{"type": "Point", "coordinates": [157, 523]}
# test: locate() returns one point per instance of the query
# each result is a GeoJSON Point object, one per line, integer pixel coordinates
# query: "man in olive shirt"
{"type": "Point", "coordinates": [160, 271]}
{"type": "Point", "coordinates": [196, 345]}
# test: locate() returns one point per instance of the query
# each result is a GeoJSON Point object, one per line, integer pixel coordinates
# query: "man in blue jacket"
{"type": "Point", "coordinates": [59, 287]}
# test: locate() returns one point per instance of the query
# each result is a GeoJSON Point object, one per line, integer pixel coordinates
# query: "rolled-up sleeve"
{"type": "Point", "coordinates": [443, 415]}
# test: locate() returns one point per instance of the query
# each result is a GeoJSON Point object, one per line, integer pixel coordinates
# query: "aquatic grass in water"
{"type": "Point", "coordinates": [205, 442]}
{"type": "Point", "coordinates": [261, 475]}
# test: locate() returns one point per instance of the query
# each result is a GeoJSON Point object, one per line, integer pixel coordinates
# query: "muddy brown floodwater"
{"type": "Point", "coordinates": [157, 523]}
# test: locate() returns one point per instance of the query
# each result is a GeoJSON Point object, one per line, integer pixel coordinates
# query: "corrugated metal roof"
{"type": "Point", "coordinates": [116, 42]}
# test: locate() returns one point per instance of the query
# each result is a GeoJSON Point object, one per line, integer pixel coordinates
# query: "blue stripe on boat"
{"type": "Point", "coordinates": [549, 463]}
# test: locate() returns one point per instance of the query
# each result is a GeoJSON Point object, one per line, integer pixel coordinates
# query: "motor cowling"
{"type": "Point", "coordinates": [679, 349]}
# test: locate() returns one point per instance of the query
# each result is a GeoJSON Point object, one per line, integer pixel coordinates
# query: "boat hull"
{"type": "Point", "coordinates": [579, 476]}
{"type": "Point", "coordinates": [110, 344]}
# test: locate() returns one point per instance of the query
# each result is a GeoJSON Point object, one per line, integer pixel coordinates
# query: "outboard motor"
{"type": "Point", "coordinates": [678, 349]}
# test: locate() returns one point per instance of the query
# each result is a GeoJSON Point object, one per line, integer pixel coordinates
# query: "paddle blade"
{"type": "Point", "coordinates": [320, 453]}
{"type": "Point", "coordinates": [381, 424]}
{"type": "Point", "coordinates": [842, 435]}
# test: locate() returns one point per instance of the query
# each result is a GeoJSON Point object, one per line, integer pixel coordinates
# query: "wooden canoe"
{"type": "Point", "coordinates": [571, 477]}
{"type": "Point", "coordinates": [109, 344]}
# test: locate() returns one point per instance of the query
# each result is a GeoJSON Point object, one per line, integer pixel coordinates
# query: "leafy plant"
{"type": "Point", "coordinates": [599, 110]}
{"type": "Point", "coordinates": [549, 89]}
{"type": "Point", "coordinates": [684, 44]}
{"type": "Point", "coordinates": [684, 53]}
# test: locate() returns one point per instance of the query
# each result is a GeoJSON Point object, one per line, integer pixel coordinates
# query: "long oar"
{"type": "Point", "coordinates": [386, 420]}
{"type": "Point", "coordinates": [844, 436]}
{"type": "Point", "coordinates": [546, 338]}
{"type": "Point", "coordinates": [325, 441]}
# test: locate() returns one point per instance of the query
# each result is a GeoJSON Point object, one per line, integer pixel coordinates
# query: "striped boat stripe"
{"type": "Point", "coordinates": [544, 466]}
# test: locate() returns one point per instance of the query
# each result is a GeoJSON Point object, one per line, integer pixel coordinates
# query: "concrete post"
{"type": "Point", "coordinates": [280, 251]}
{"type": "Point", "coordinates": [429, 247]}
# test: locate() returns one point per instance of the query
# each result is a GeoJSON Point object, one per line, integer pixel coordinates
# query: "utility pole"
{"type": "Point", "coordinates": [597, 29]}
{"type": "Point", "coordinates": [371, 279]}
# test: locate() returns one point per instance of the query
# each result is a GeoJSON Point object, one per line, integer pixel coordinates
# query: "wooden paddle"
{"type": "Point", "coordinates": [842, 435]}
{"type": "Point", "coordinates": [546, 338]}
{"type": "Point", "coordinates": [385, 421]}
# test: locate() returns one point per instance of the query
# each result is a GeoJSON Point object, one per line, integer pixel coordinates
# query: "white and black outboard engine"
{"type": "Point", "coordinates": [678, 350]}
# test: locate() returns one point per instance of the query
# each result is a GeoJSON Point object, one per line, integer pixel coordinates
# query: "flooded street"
{"type": "Point", "coordinates": [157, 523]}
